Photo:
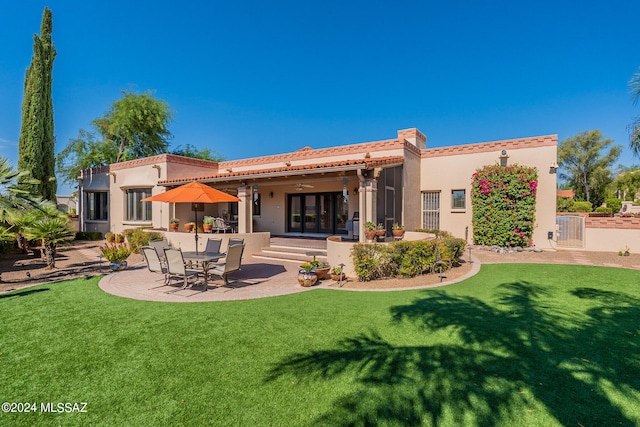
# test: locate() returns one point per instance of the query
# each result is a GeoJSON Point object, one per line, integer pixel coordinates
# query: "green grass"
{"type": "Point", "coordinates": [514, 345]}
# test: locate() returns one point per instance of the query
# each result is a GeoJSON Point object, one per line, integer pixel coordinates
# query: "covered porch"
{"type": "Point", "coordinates": [319, 199]}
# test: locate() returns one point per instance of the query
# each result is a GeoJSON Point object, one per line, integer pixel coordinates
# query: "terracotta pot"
{"type": "Point", "coordinates": [188, 228]}
{"type": "Point", "coordinates": [338, 277]}
{"type": "Point", "coordinates": [370, 235]}
{"type": "Point", "coordinates": [322, 272]}
{"type": "Point", "coordinates": [307, 279]}
{"type": "Point", "coordinates": [397, 233]}
{"type": "Point", "coordinates": [207, 227]}
{"type": "Point", "coordinates": [173, 226]}
{"type": "Point", "coordinates": [381, 233]}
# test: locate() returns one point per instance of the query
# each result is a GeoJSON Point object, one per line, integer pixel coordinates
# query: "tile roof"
{"type": "Point", "coordinates": [367, 163]}
{"type": "Point", "coordinates": [483, 147]}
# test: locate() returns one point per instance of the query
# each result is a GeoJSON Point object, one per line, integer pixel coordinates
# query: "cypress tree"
{"type": "Point", "coordinates": [36, 144]}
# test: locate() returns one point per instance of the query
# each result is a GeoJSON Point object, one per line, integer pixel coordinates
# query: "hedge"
{"type": "Point", "coordinates": [404, 258]}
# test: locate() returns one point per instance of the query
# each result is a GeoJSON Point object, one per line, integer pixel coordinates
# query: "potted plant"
{"type": "Point", "coordinates": [397, 230]}
{"type": "Point", "coordinates": [380, 231]}
{"type": "Point", "coordinates": [321, 268]}
{"type": "Point", "coordinates": [207, 224]}
{"type": "Point", "coordinates": [306, 275]}
{"type": "Point", "coordinates": [173, 224]}
{"type": "Point", "coordinates": [369, 230]}
{"type": "Point", "coordinates": [116, 254]}
{"type": "Point", "coordinates": [188, 226]}
{"type": "Point", "coordinates": [337, 274]}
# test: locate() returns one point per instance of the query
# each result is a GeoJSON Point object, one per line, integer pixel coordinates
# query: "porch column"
{"type": "Point", "coordinates": [367, 202]}
{"type": "Point", "coordinates": [245, 209]}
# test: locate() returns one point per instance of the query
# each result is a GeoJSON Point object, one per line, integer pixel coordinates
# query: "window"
{"type": "Point", "coordinates": [256, 204]}
{"type": "Point", "coordinates": [458, 199]}
{"type": "Point", "coordinates": [97, 206]}
{"type": "Point", "coordinates": [431, 210]}
{"type": "Point", "coordinates": [135, 209]}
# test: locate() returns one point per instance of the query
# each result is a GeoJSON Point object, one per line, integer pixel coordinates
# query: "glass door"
{"type": "Point", "coordinates": [295, 213]}
{"type": "Point", "coordinates": [325, 213]}
{"type": "Point", "coordinates": [310, 213]}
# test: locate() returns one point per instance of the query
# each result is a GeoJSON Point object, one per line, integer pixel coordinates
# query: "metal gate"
{"type": "Point", "coordinates": [570, 230]}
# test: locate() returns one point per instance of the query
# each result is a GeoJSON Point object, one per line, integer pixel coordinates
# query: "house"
{"type": "Point", "coordinates": [322, 192]}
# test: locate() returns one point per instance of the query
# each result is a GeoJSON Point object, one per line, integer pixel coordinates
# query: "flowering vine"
{"type": "Point", "coordinates": [504, 204]}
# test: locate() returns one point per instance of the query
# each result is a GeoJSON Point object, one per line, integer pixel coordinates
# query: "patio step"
{"type": "Point", "coordinates": [291, 254]}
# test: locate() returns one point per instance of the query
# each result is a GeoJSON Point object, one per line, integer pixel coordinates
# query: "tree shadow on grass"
{"type": "Point", "coordinates": [24, 293]}
{"type": "Point", "coordinates": [501, 364]}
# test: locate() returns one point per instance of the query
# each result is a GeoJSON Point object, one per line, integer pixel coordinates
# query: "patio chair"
{"type": "Point", "coordinates": [154, 264]}
{"type": "Point", "coordinates": [213, 246]}
{"type": "Point", "coordinates": [220, 226]}
{"type": "Point", "coordinates": [176, 267]}
{"type": "Point", "coordinates": [159, 246]}
{"type": "Point", "coordinates": [235, 241]}
{"type": "Point", "coordinates": [232, 263]}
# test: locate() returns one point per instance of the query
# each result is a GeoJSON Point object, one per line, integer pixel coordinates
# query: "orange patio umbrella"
{"type": "Point", "coordinates": [195, 193]}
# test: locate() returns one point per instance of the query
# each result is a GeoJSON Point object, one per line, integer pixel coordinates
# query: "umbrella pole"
{"type": "Point", "coordinates": [196, 211]}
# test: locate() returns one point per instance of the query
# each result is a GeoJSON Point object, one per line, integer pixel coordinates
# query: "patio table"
{"type": "Point", "coordinates": [204, 259]}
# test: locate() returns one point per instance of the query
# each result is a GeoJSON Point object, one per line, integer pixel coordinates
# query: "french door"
{"type": "Point", "coordinates": [324, 213]}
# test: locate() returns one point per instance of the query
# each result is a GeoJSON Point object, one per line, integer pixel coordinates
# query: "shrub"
{"type": "Point", "coordinates": [564, 204]}
{"type": "Point", "coordinates": [372, 261]}
{"type": "Point", "coordinates": [119, 238]}
{"type": "Point", "coordinates": [614, 204]}
{"type": "Point", "coordinates": [582, 207]}
{"type": "Point", "coordinates": [111, 237]}
{"type": "Point", "coordinates": [138, 238]}
{"type": "Point", "coordinates": [419, 258]}
{"type": "Point", "coordinates": [88, 235]}
{"type": "Point", "coordinates": [438, 233]}
{"type": "Point", "coordinates": [603, 209]}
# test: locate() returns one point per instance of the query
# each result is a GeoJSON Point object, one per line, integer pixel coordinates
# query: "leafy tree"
{"type": "Point", "coordinates": [634, 128]}
{"type": "Point", "coordinates": [628, 182]}
{"type": "Point", "coordinates": [36, 143]}
{"type": "Point", "coordinates": [583, 164]}
{"type": "Point", "coordinates": [194, 152]}
{"type": "Point", "coordinates": [134, 127]}
{"type": "Point", "coordinates": [84, 152]}
{"type": "Point", "coordinates": [137, 124]}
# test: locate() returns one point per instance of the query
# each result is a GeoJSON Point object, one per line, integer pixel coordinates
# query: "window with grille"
{"type": "Point", "coordinates": [135, 209]}
{"type": "Point", "coordinates": [431, 210]}
{"type": "Point", "coordinates": [97, 206]}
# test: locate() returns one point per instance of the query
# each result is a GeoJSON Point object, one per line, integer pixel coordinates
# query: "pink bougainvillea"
{"type": "Point", "coordinates": [504, 201]}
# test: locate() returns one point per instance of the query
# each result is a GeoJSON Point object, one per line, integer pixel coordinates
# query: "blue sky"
{"type": "Point", "coordinates": [255, 77]}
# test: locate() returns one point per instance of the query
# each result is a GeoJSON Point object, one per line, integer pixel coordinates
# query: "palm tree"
{"type": "Point", "coordinates": [634, 128]}
{"type": "Point", "coordinates": [14, 202]}
{"type": "Point", "coordinates": [50, 226]}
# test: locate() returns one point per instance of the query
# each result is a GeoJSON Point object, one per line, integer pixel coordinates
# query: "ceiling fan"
{"type": "Point", "coordinates": [300, 186]}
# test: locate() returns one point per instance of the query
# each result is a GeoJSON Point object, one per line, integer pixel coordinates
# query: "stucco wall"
{"type": "Point", "coordinates": [454, 172]}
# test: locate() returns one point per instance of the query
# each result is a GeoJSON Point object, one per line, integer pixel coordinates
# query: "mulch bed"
{"type": "Point", "coordinates": [18, 270]}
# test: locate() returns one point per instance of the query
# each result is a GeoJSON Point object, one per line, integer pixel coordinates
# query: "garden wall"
{"type": "Point", "coordinates": [612, 234]}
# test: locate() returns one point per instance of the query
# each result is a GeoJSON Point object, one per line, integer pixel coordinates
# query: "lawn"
{"type": "Point", "coordinates": [518, 344]}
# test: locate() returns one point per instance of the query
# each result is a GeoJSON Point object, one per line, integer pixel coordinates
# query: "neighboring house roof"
{"type": "Point", "coordinates": [566, 193]}
{"type": "Point", "coordinates": [329, 166]}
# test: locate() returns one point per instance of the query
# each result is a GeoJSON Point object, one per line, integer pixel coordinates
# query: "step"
{"type": "Point", "coordinates": [291, 254]}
